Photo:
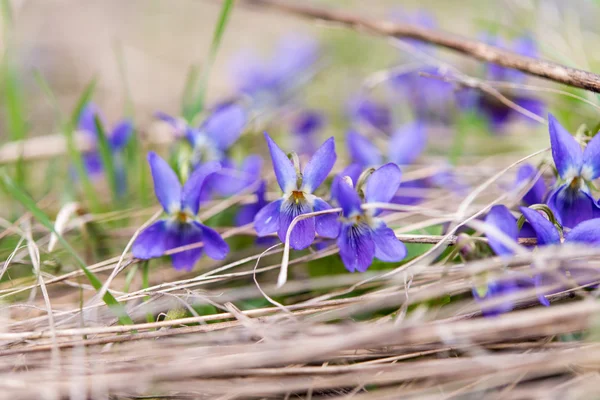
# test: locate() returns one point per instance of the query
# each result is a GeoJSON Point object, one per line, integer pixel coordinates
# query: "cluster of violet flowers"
{"type": "Point", "coordinates": [564, 211]}
{"type": "Point", "coordinates": [350, 212]}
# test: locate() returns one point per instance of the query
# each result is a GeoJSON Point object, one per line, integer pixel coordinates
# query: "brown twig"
{"type": "Point", "coordinates": [472, 48]}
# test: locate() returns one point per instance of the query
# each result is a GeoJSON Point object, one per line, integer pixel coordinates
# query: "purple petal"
{"type": "Point", "coordinates": [192, 189]}
{"type": "Point", "coordinates": [501, 218]}
{"type": "Point", "coordinates": [591, 159]}
{"type": "Point", "coordinates": [319, 166]}
{"type": "Point", "coordinates": [383, 184]}
{"type": "Point", "coordinates": [303, 233]}
{"type": "Point", "coordinates": [214, 245]}
{"type": "Point", "coordinates": [572, 206]}
{"type": "Point", "coordinates": [326, 225]}
{"type": "Point", "coordinates": [151, 242]}
{"type": "Point", "coordinates": [566, 151]}
{"type": "Point", "coordinates": [307, 122]}
{"type": "Point", "coordinates": [352, 171]}
{"type": "Point", "coordinates": [121, 134]}
{"type": "Point", "coordinates": [545, 230]}
{"type": "Point", "coordinates": [183, 234]}
{"type": "Point", "coordinates": [247, 212]}
{"type": "Point", "coordinates": [586, 232]}
{"type": "Point", "coordinates": [407, 143]}
{"type": "Point", "coordinates": [225, 125]}
{"type": "Point", "coordinates": [166, 184]}
{"type": "Point", "coordinates": [387, 246]}
{"type": "Point", "coordinates": [92, 162]}
{"type": "Point", "coordinates": [404, 195]}
{"type": "Point", "coordinates": [374, 114]}
{"type": "Point", "coordinates": [266, 220]}
{"type": "Point", "coordinates": [348, 199]}
{"type": "Point", "coordinates": [294, 55]}
{"type": "Point", "coordinates": [284, 169]}
{"type": "Point", "coordinates": [532, 104]}
{"type": "Point", "coordinates": [87, 120]}
{"type": "Point", "coordinates": [180, 127]}
{"type": "Point", "coordinates": [536, 194]}
{"type": "Point", "coordinates": [362, 150]}
{"type": "Point", "coordinates": [357, 248]}
{"type": "Point", "coordinates": [495, 289]}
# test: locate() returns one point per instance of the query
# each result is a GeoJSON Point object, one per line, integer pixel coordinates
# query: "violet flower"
{"type": "Point", "coordinates": [269, 82]}
{"type": "Point", "coordinates": [305, 127]}
{"type": "Point", "coordinates": [537, 193]}
{"type": "Point", "coordinates": [363, 236]}
{"type": "Point", "coordinates": [370, 113]}
{"type": "Point", "coordinates": [298, 198]}
{"type": "Point", "coordinates": [118, 138]}
{"type": "Point", "coordinates": [512, 282]}
{"type": "Point", "coordinates": [571, 202]}
{"type": "Point", "coordinates": [587, 232]}
{"type": "Point", "coordinates": [181, 227]}
{"type": "Point", "coordinates": [497, 113]}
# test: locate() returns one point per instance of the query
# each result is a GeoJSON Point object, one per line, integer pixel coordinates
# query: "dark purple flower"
{"type": "Point", "coordinates": [537, 193]}
{"type": "Point", "coordinates": [587, 232]}
{"type": "Point", "coordinates": [370, 113]}
{"type": "Point", "coordinates": [305, 127]}
{"type": "Point", "coordinates": [298, 198]}
{"type": "Point", "coordinates": [503, 287]}
{"type": "Point", "coordinates": [363, 236]}
{"type": "Point", "coordinates": [571, 202]}
{"type": "Point", "coordinates": [181, 226]}
{"type": "Point", "coordinates": [497, 113]}
{"type": "Point", "coordinates": [502, 220]}
{"type": "Point", "coordinates": [247, 212]}
{"type": "Point", "coordinates": [429, 98]}
{"type": "Point", "coordinates": [118, 138]}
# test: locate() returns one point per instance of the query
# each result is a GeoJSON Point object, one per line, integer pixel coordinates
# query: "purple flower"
{"type": "Point", "coordinates": [298, 197]}
{"type": "Point", "coordinates": [117, 140]}
{"type": "Point", "coordinates": [181, 227]}
{"type": "Point", "coordinates": [365, 111]}
{"type": "Point", "coordinates": [497, 113]}
{"type": "Point", "coordinates": [305, 127]}
{"type": "Point", "coordinates": [429, 98]}
{"type": "Point", "coordinates": [363, 236]}
{"type": "Point", "coordinates": [247, 212]}
{"type": "Point", "coordinates": [587, 232]}
{"type": "Point", "coordinates": [503, 287]}
{"type": "Point", "coordinates": [405, 146]}
{"type": "Point", "coordinates": [232, 179]}
{"type": "Point", "coordinates": [571, 201]}
{"type": "Point", "coordinates": [502, 219]}
{"type": "Point", "coordinates": [270, 81]}
{"type": "Point", "coordinates": [537, 192]}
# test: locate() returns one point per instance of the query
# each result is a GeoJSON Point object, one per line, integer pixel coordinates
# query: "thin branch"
{"type": "Point", "coordinates": [472, 48]}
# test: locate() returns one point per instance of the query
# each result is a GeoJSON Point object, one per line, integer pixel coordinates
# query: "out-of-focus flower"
{"type": "Point", "coordinates": [497, 113]}
{"type": "Point", "coordinates": [571, 201]}
{"type": "Point", "coordinates": [363, 236]}
{"type": "Point", "coordinates": [364, 111]}
{"type": "Point", "coordinates": [587, 232]}
{"type": "Point", "coordinates": [537, 192]}
{"type": "Point", "coordinates": [429, 98]}
{"type": "Point", "coordinates": [405, 146]}
{"type": "Point", "coordinates": [117, 138]}
{"type": "Point", "coordinates": [298, 198]}
{"type": "Point", "coordinates": [247, 212]}
{"type": "Point", "coordinates": [181, 227]}
{"type": "Point", "coordinates": [305, 127]}
{"type": "Point", "coordinates": [269, 82]}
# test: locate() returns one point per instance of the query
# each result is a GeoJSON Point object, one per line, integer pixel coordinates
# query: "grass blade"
{"type": "Point", "coordinates": [106, 154]}
{"type": "Point", "coordinates": [197, 105]}
{"type": "Point", "coordinates": [19, 195]}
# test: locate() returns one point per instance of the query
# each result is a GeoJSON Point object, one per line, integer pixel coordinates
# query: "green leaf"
{"type": "Point", "coordinates": [107, 158]}
{"type": "Point", "coordinates": [18, 194]}
{"type": "Point", "coordinates": [197, 105]}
